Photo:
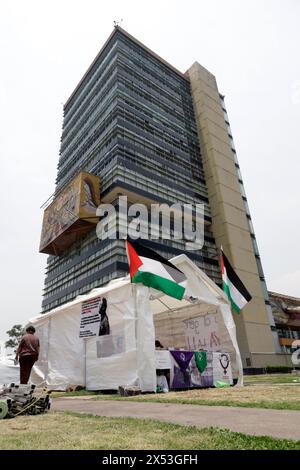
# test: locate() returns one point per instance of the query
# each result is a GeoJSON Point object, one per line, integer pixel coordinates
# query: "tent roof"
{"type": "Point", "coordinates": [182, 261]}
{"type": "Point", "coordinates": [200, 287]}
{"type": "Point", "coordinates": [99, 291]}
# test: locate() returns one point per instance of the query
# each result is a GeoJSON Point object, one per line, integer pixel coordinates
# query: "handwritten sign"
{"type": "Point", "coordinates": [202, 333]}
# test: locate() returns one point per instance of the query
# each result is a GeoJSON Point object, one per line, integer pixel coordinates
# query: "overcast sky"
{"type": "Point", "coordinates": [252, 47]}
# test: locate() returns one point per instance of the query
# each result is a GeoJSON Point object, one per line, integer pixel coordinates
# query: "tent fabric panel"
{"type": "Point", "coordinates": [237, 366]}
{"type": "Point", "coordinates": [111, 359]}
{"type": "Point", "coordinates": [63, 349]}
{"type": "Point", "coordinates": [145, 341]}
{"type": "Point", "coordinates": [66, 351]}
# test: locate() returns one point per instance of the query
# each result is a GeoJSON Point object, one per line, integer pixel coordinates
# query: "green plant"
{"type": "Point", "coordinates": [278, 369]}
{"type": "Point", "coordinates": [15, 334]}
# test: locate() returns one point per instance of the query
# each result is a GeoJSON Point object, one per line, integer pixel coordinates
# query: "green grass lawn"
{"type": "Point", "coordinates": [271, 396]}
{"type": "Point", "coordinates": [260, 391]}
{"type": "Point", "coordinates": [85, 432]}
{"type": "Point", "coordinates": [272, 379]}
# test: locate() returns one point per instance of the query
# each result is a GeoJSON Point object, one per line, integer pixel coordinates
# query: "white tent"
{"type": "Point", "coordinates": [127, 355]}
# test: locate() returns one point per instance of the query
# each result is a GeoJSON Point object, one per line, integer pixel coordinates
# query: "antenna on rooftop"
{"type": "Point", "coordinates": [117, 23]}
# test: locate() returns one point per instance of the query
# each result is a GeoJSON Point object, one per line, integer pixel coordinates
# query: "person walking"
{"type": "Point", "coordinates": [27, 353]}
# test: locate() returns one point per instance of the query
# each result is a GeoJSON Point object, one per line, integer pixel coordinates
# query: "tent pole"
{"type": "Point", "coordinates": [170, 309]}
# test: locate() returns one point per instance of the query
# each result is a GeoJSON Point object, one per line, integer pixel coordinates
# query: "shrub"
{"type": "Point", "coordinates": [278, 369]}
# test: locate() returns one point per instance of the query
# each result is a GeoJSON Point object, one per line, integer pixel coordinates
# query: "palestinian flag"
{"type": "Point", "coordinates": [233, 286]}
{"type": "Point", "coordinates": [149, 268]}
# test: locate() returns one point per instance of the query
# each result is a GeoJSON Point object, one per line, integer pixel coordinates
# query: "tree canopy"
{"type": "Point", "coordinates": [15, 334]}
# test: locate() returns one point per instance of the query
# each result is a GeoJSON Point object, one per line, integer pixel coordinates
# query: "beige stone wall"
{"type": "Point", "coordinates": [229, 222]}
{"type": "Point", "coordinates": [273, 360]}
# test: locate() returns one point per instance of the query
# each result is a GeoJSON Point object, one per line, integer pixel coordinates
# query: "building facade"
{"type": "Point", "coordinates": [130, 121]}
{"type": "Point", "coordinates": [286, 312]}
{"type": "Point", "coordinates": [157, 135]}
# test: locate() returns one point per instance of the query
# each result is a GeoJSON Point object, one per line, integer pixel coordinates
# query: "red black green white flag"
{"type": "Point", "coordinates": [233, 286]}
{"type": "Point", "coordinates": [151, 269]}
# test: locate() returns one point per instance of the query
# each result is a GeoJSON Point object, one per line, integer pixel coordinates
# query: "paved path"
{"type": "Point", "coordinates": [283, 424]}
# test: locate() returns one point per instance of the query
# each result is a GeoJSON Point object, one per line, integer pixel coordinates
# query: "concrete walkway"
{"type": "Point", "coordinates": [283, 424]}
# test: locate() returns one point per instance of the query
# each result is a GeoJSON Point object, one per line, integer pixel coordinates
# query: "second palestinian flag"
{"type": "Point", "coordinates": [149, 268]}
{"type": "Point", "coordinates": [233, 286]}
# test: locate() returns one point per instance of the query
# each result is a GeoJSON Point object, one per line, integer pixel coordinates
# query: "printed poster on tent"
{"type": "Point", "coordinates": [94, 320]}
{"type": "Point", "coordinates": [222, 368]}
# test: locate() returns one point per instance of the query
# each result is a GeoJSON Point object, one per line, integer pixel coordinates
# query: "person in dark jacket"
{"type": "Point", "coordinates": [27, 353]}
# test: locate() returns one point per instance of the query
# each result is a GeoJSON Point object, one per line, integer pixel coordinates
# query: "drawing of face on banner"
{"type": "Point", "coordinates": [224, 361]}
{"type": "Point", "coordinates": [104, 323]}
{"type": "Point", "coordinates": [202, 333]}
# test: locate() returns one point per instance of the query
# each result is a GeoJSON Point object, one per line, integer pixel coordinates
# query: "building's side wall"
{"type": "Point", "coordinates": [229, 220]}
